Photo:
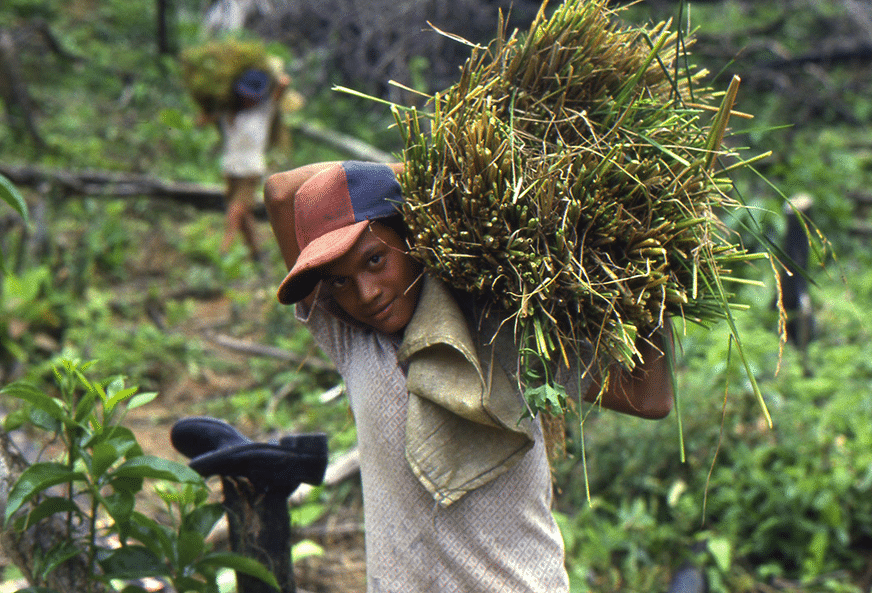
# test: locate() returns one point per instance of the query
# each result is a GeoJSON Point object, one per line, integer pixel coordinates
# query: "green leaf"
{"type": "Point", "coordinates": [47, 507]}
{"type": "Point", "coordinates": [35, 397]}
{"type": "Point", "coordinates": [57, 555]}
{"type": "Point", "coordinates": [203, 519]}
{"type": "Point", "coordinates": [242, 564]}
{"type": "Point", "coordinates": [103, 456]}
{"type": "Point", "coordinates": [85, 407]}
{"type": "Point", "coordinates": [722, 551]}
{"type": "Point", "coordinates": [190, 546]}
{"type": "Point", "coordinates": [34, 480]}
{"type": "Point", "coordinates": [185, 495]}
{"type": "Point", "coordinates": [15, 420]}
{"type": "Point", "coordinates": [41, 419]}
{"type": "Point", "coordinates": [123, 439]}
{"type": "Point", "coordinates": [150, 466]}
{"type": "Point", "coordinates": [116, 392]}
{"type": "Point", "coordinates": [120, 505]}
{"type": "Point", "coordinates": [306, 548]}
{"type": "Point", "coordinates": [10, 194]}
{"type": "Point", "coordinates": [546, 396]}
{"type": "Point", "coordinates": [141, 399]}
{"type": "Point", "coordinates": [306, 514]}
{"type": "Point", "coordinates": [133, 562]}
{"type": "Point", "coordinates": [126, 484]}
{"type": "Point", "coordinates": [76, 373]}
{"type": "Point", "coordinates": [173, 118]}
{"type": "Point", "coordinates": [120, 396]}
{"type": "Point", "coordinates": [158, 538]}
{"type": "Point", "coordinates": [566, 530]}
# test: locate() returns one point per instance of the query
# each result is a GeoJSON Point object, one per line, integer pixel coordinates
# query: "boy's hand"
{"type": "Point", "coordinates": [647, 392]}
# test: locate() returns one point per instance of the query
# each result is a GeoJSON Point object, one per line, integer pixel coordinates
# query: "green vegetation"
{"type": "Point", "coordinates": [140, 286]}
{"type": "Point", "coordinates": [102, 471]}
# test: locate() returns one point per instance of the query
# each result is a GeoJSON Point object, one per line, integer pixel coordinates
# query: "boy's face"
{"type": "Point", "coordinates": [377, 282]}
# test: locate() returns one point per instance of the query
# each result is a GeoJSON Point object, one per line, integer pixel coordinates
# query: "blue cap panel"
{"type": "Point", "coordinates": [373, 190]}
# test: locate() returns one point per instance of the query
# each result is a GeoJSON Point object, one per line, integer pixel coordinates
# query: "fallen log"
{"type": "Point", "coordinates": [117, 185]}
{"type": "Point", "coordinates": [110, 184]}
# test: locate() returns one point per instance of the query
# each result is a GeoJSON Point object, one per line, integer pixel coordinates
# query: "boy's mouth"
{"type": "Point", "coordinates": [383, 312]}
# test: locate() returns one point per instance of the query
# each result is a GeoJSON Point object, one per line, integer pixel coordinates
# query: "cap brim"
{"type": "Point", "coordinates": [304, 276]}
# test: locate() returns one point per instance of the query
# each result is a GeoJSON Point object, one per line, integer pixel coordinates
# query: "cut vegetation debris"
{"type": "Point", "coordinates": [572, 176]}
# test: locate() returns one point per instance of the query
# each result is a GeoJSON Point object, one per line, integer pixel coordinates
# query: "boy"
{"type": "Point", "coordinates": [457, 490]}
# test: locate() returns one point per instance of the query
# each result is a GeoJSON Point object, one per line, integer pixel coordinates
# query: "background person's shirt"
{"type": "Point", "coordinates": [246, 139]}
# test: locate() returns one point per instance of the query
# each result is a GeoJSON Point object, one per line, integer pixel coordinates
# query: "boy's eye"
{"type": "Point", "coordinates": [338, 282]}
{"type": "Point", "coordinates": [375, 259]}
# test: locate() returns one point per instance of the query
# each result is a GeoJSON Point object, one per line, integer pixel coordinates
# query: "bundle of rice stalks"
{"type": "Point", "coordinates": [209, 70]}
{"type": "Point", "coordinates": [568, 177]}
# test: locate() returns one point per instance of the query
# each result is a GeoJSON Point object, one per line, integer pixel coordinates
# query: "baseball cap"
{"type": "Point", "coordinates": [331, 210]}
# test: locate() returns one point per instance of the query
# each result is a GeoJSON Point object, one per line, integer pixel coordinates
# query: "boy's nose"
{"type": "Point", "coordinates": [367, 288]}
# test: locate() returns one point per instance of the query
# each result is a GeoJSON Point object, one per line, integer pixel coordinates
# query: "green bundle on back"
{"type": "Point", "coordinates": [209, 70]}
{"type": "Point", "coordinates": [568, 177]}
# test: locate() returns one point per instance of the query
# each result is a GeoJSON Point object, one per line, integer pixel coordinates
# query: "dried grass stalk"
{"type": "Point", "coordinates": [568, 177]}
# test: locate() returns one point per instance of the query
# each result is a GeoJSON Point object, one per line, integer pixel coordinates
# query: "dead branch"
{"type": "Point", "coordinates": [117, 185]}
{"type": "Point", "coordinates": [349, 145]}
{"type": "Point", "coordinates": [43, 29]}
{"type": "Point", "coordinates": [256, 349]}
{"type": "Point", "coordinates": [861, 52]}
{"type": "Point", "coordinates": [204, 197]}
{"type": "Point", "coordinates": [329, 531]}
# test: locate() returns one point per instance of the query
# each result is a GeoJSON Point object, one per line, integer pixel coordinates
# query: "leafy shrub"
{"type": "Point", "coordinates": [790, 504]}
{"type": "Point", "coordinates": [102, 471]}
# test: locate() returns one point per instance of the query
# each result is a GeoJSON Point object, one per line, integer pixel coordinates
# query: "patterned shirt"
{"type": "Point", "coordinates": [500, 537]}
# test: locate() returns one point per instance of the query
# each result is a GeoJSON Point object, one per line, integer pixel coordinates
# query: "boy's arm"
{"type": "Point", "coordinates": [647, 391]}
{"type": "Point", "coordinates": [281, 85]}
{"type": "Point", "coordinates": [279, 192]}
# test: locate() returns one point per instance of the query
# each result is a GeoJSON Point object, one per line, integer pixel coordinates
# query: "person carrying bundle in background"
{"type": "Point", "coordinates": [241, 88]}
{"type": "Point", "coordinates": [245, 130]}
{"type": "Point", "coordinates": [457, 488]}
